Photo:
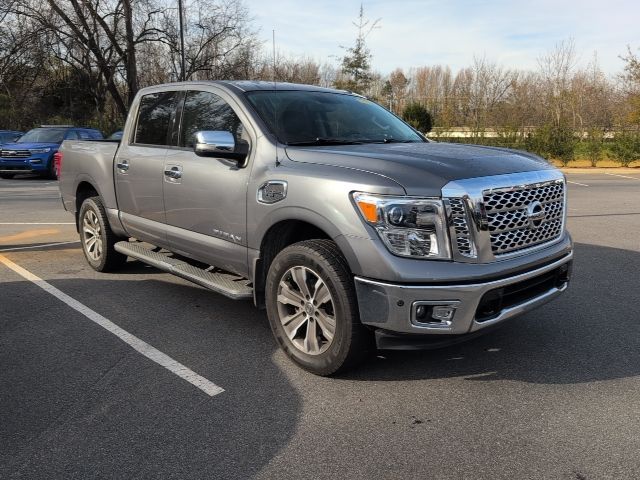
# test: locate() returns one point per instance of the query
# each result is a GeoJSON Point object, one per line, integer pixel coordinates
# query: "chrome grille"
{"type": "Point", "coordinates": [508, 219]}
{"type": "Point", "coordinates": [15, 153]}
{"type": "Point", "coordinates": [459, 221]}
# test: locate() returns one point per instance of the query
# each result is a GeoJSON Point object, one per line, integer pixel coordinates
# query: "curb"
{"type": "Point", "coordinates": [601, 170]}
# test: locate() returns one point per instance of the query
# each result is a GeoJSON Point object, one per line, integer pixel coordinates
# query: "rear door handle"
{"type": "Point", "coordinates": [173, 172]}
{"type": "Point", "coordinates": [123, 165]}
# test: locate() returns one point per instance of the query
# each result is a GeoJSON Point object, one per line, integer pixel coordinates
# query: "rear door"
{"type": "Point", "coordinates": [139, 167]}
{"type": "Point", "coordinates": [206, 203]}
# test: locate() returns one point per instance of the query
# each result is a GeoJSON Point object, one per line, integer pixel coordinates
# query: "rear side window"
{"type": "Point", "coordinates": [95, 134]}
{"type": "Point", "coordinates": [207, 111]}
{"type": "Point", "coordinates": [154, 117]}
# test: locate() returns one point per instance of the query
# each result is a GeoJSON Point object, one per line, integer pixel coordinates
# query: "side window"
{"type": "Point", "coordinates": [154, 117]}
{"type": "Point", "coordinates": [83, 135]}
{"type": "Point", "coordinates": [207, 111]}
{"type": "Point", "coordinates": [71, 135]}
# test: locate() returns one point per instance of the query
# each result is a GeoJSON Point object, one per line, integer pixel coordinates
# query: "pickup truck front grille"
{"type": "Point", "coordinates": [459, 220]}
{"type": "Point", "coordinates": [491, 218]}
{"type": "Point", "coordinates": [15, 153]}
{"type": "Point", "coordinates": [509, 215]}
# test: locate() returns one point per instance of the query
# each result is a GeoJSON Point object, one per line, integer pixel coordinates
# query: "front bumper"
{"type": "Point", "coordinates": [476, 306]}
{"type": "Point", "coordinates": [34, 163]}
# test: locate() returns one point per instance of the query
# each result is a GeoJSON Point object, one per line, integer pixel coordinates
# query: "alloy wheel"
{"type": "Point", "coordinates": [306, 310]}
{"type": "Point", "coordinates": [92, 235]}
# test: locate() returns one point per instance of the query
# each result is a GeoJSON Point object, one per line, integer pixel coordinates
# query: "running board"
{"type": "Point", "coordinates": [227, 284]}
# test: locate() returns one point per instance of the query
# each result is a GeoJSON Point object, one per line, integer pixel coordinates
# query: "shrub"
{"type": "Point", "coordinates": [553, 141]}
{"type": "Point", "coordinates": [594, 146]}
{"type": "Point", "coordinates": [418, 117]}
{"type": "Point", "coordinates": [625, 147]}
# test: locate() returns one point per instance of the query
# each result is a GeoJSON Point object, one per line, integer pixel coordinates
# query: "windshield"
{"type": "Point", "coordinates": [322, 118]}
{"type": "Point", "coordinates": [43, 135]}
{"type": "Point", "coordinates": [6, 137]}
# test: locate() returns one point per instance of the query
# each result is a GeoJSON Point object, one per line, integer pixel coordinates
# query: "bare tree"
{"type": "Point", "coordinates": [219, 40]}
{"type": "Point", "coordinates": [556, 67]}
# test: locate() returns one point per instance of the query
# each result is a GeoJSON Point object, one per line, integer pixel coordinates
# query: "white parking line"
{"type": "Point", "coordinates": [134, 342]}
{"type": "Point", "coordinates": [44, 245]}
{"type": "Point", "coordinates": [36, 223]}
{"type": "Point", "coordinates": [576, 183]}
{"type": "Point", "coordinates": [621, 176]}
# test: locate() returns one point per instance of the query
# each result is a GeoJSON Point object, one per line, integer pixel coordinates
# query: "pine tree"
{"type": "Point", "coordinates": [356, 64]}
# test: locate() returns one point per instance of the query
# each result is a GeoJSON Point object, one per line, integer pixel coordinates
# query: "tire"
{"type": "Point", "coordinates": [325, 304]}
{"type": "Point", "coordinates": [97, 238]}
{"type": "Point", "coordinates": [7, 176]}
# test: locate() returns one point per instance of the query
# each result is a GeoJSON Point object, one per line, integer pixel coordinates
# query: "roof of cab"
{"type": "Point", "coordinates": [252, 85]}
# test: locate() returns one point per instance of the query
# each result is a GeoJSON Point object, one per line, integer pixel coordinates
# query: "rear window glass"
{"type": "Point", "coordinates": [154, 117]}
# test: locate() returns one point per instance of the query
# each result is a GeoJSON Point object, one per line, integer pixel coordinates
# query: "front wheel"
{"type": "Point", "coordinates": [7, 176]}
{"type": "Point", "coordinates": [312, 308]}
{"type": "Point", "coordinates": [97, 238]}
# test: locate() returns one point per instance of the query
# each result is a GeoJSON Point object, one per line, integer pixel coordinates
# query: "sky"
{"type": "Point", "coordinates": [411, 33]}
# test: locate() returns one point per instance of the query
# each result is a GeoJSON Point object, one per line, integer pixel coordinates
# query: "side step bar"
{"type": "Point", "coordinates": [227, 284]}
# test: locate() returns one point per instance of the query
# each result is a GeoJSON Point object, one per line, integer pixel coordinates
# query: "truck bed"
{"type": "Point", "coordinates": [90, 161]}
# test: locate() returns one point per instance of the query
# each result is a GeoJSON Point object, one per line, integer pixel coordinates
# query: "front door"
{"type": "Point", "coordinates": [139, 168]}
{"type": "Point", "coordinates": [205, 197]}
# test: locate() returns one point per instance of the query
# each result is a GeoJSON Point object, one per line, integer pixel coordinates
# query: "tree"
{"type": "Point", "coordinates": [108, 40]}
{"type": "Point", "coordinates": [396, 89]}
{"type": "Point", "coordinates": [632, 76]}
{"type": "Point", "coordinates": [356, 64]}
{"type": "Point", "coordinates": [556, 68]}
{"type": "Point", "coordinates": [219, 40]}
{"type": "Point", "coordinates": [418, 117]}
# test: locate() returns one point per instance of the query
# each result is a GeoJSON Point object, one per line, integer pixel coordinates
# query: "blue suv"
{"type": "Point", "coordinates": [33, 152]}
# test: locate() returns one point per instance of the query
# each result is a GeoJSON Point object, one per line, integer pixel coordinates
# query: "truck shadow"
{"type": "Point", "coordinates": [591, 333]}
{"type": "Point", "coordinates": [77, 401]}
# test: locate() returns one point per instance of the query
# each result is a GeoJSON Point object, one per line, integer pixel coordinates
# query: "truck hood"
{"type": "Point", "coordinates": [422, 168]}
{"type": "Point", "coordinates": [29, 146]}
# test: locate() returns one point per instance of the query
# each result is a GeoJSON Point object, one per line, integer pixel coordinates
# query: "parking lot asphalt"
{"type": "Point", "coordinates": [553, 394]}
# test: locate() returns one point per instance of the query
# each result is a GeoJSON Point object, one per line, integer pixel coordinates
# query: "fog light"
{"type": "Point", "coordinates": [442, 313]}
{"type": "Point", "coordinates": [421, 312]}
{"type": "Point", "coordinates": [434, 314]}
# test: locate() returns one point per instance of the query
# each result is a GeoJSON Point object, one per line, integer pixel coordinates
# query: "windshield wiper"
{"type": "Point", "coordinates": [391, 140]}
{"type": "Point", "coordinates": [325, 141]}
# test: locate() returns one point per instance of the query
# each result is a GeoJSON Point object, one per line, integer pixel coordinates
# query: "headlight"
{"type": "Point", "coordinates": [409, 227]}
{"type": "Point", "coordinates": [40, 150]}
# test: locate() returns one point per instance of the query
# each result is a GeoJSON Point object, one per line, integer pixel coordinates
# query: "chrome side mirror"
{"type": "Point", "coordinates": [215, 143]}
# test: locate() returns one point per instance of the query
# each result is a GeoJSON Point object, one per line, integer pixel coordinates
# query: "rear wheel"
{"type": "Point", "coordinates": [97, 238]}
{"type": "Point", "coordinates": [312, 308]}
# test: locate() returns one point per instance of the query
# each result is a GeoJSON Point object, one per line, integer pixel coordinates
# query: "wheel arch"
{"type": "Point", "coordinates": [284, 233]}
{"type": "Point", "coordinates": [85, 189]}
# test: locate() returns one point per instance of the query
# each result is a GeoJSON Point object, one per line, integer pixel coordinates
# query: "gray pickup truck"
{"type": "Point", "coordinates": [350, 227]}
